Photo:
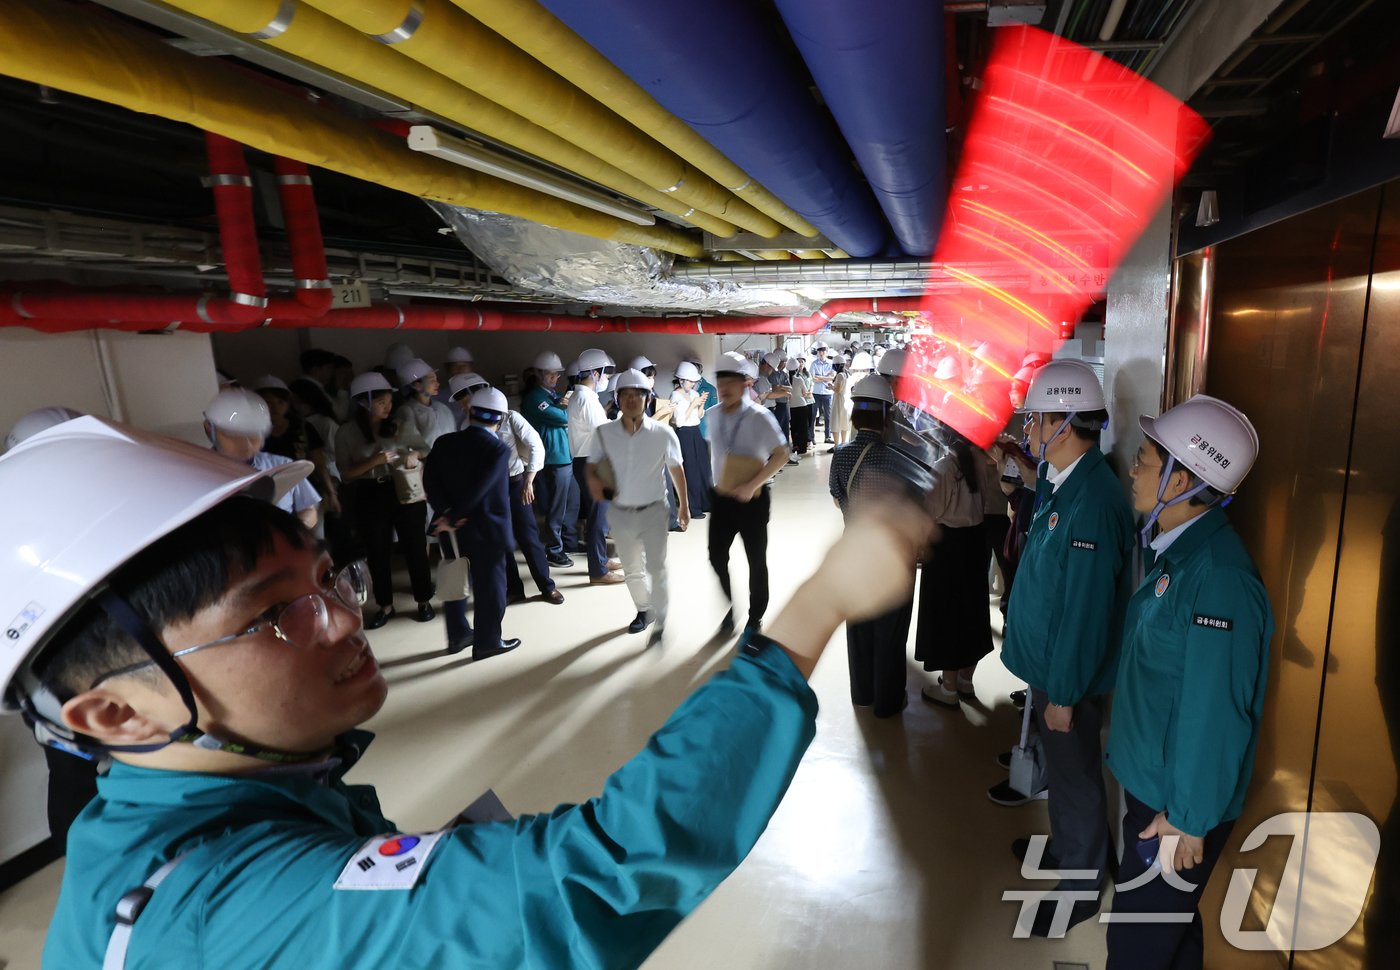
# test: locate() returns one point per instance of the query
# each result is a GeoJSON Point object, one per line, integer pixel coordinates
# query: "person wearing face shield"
{"type": "Point", "coordinates": [199, 640]}
{"type": "Point", "coordinates": [1065, 618]}
{"type": "Point", "coordinates": [1190, 688]}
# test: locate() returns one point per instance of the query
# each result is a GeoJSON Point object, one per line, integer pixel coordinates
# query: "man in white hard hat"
{"type": "Point", "coordinates": [547, 411]}
{"type": "Point", "coordinates": [527, 456]}
{"type": "Point", "coordinates": [467, 480]}
{"type": "Point", "coordinates": [1064, 620]}
{"type": "Point", "coordinates": [237, 422]}
{"type": "Point", "coordinates": [876, 648]}
{"type": "Point", "coordinates": [586, 414]}
{"type": "Point", "coordinates": [1191, 681]}
{"type": "Point", "coordinates": [418, 383]}
{"type": "Point", "coordinates": [747, 449]}
{"type": "Point", "coordinates": [457, 361]}
{"type": "Point", "coordinates": [823, 377]}
{"type": "Point", "coordinates": [627, 465]}
{"type": "Point", "coordinates": [294, 438]}
{"type": "Point", "coordinates": [200, 638]}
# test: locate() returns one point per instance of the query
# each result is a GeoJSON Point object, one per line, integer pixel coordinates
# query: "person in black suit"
{"type": "Point", "coordinates": [467, 478]}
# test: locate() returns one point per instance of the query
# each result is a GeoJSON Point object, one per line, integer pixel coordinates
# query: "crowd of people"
{"type": "Point", "coordinates": [444, 465]}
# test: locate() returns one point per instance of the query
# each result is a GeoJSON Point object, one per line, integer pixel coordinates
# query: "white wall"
{"type": "Point", "coordinates": [160, 382]}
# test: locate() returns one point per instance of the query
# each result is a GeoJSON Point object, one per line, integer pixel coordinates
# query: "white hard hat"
{"type": "Point", "coordinates": [237, 411]}
{"type": "Point", "coordinates": [269, 383]}
{"type": "Point", "coordinates": [397, 355]}
{"type": "Point", "coordinates": [490, 399]}
{"type": "Point", "coordinates": [791, 363]}
{"type": "Point", "coordinates": [892, 362]}
{"type": "Point", "coordinates": [415, 370]}
{"type": "Point", "coordinates": [369, 383]}
{"type": "Point", "coordinates": [873, 387]}
{"type": "Point", "coordinates": [640, 363]}
{"type": "Point", "coordinates": [862, 361]}
{"type": "Point", "coordinates": [947, 369]}
{"type": "Point", "coordinates": [1065, 385]}
{"type": "Point", "coordinates": [460, 384]}
{"type": "Point", "coordinates": [686, 371]}
{"type": "Point", "coordinates": [593, 360]}
{"type": "Point", "coordinates": [458, 355]}
{"type": "Point", "coordinates": [773, 359]}
{"type": "Point", "coordinates": [135, 486]}
{"type": "Point", "coordinates": [632, 378]}
{"type": "Point", "coordinates": [36, 421]}
{"type": "Point", "coordinates": [734, 362]}
{"type": "Point", "coordinates": [548, 360]}
{"type": "Point", "coordinates": [1209, 438]}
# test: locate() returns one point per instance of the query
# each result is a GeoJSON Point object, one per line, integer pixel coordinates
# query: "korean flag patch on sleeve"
{"type": "Point", "coordinates": [388, 862]}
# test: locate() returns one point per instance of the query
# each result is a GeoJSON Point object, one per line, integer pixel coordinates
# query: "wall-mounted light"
{"type": "Point", "coordinates": [430, 141]}
{"type": "Point", "coordinates": [1208, 212]}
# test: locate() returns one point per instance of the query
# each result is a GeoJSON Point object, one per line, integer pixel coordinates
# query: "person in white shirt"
{"type": "Point", "coordinates": [237, 423]}
{"type": "Point", "coordinates": [457, 362]}
{"type": "Point", "coordinates": [688, 407]}
{"type": "Point", "coordinates": [747, 450]}
{"type": "Point", "coordinates": [640, 453]}
{"type": "Point", "coordinates": [823, 377]}
{"type": "Point", "coordinates": [421, 409]}
{"type": "Point", "coordinates": [585, 415]}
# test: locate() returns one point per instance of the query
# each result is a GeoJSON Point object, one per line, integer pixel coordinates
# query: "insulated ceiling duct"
{"type": "Point", "coordinates": [882, 77]}
{"type": "Point", "coordinates": [716, 67]}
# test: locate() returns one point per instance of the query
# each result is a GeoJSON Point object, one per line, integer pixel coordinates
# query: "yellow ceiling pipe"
{"type": "Point", "coordinates": [439, 36]}
{"type": "Point", "coordinates": [100, 58]}
{"type": "Point", "coordinates": [313, 36]}
{"type": "Point", "coordinates": [549, 40]}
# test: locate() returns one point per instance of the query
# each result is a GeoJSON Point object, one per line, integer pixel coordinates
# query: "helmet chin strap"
{"type": "Point", "coordinates": [121, 613]}
{"type": "Point", "coordinates": [1064, 426]}
{"type": "Point", "coordinates": [1145, 533]}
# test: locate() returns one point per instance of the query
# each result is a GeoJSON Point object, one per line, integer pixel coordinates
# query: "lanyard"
{"type": "Point", "coordinates": [728, 441]}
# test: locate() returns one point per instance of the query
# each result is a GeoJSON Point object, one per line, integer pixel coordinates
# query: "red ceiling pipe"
{"type": "Point", "coordinates": [238, 235]}
{"type": "Point", "coordinates": [313, 286]}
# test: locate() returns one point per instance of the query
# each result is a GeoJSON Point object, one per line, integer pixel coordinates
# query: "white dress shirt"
{"type": "Point", "coordinates": [683, 415]}
{"type": "Point", "coordinates": [639, 460]}
{"type": "Point", "coordinates": [526, 446]}
{"type": "Point", "coordinates": [585, 415]}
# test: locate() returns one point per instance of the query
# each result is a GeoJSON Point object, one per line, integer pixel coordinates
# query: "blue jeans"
{"type": "Point", "coordinates": [823, 408]}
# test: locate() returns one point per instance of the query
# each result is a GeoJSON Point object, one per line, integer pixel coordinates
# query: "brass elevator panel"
{"type": "Point", "coordinates": [1304, 337]}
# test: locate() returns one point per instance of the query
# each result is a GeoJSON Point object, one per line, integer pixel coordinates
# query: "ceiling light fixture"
{"type": "Point", "coordinates": [430, 141]}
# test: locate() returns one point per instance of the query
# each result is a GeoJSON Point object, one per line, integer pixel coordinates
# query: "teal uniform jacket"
{"type": "Point", "coordinates": [703, 386]}
{"type": "Point", "coordinates": [595, 885]}
{"type": "Point", "coordinates": [1066, 610]}
{"type": "Point", "coordinates": [1190, 690]}
{"type": "Point", "coordinates": [541, 408]}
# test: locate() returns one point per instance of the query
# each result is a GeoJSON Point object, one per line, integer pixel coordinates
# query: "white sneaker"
{"type": "Point", "coordinates": [938, 694]}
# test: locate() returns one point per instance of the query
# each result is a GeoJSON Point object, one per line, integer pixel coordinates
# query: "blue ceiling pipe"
{"type": "Point", "coordinates": [717, 66]}
{"type": "Point", "coordinates": [882, 76]}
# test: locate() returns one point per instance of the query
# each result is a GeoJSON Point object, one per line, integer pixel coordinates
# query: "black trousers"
{"type": "Point", "coordinates": [378, 514]}
{"type": "Point", "coordinates": [552, 486]}
{"type": "Point", "coordinates": [695, 457]}
{"type": "Point", "coordinates": [527, 537]}
{"type": "Point", "coordinates": [748, 520]}
{"type": "Point", "coordinates": [1175, 945]}
{"type": "Point", "coordinates": [801, 429]}
{"type": "Point", "coordinates": [1078, 808]}
{"type": "Point", "coordinates": [996, 527]}
{"type": "Point", "coordinates": [488, 572]}
{"type": "Point", "coordinates": [595, 529]}
{"type": "Point", "coordinates": [875, 649]}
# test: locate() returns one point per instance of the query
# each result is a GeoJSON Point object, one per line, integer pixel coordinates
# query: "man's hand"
{"type": "Point", "coordinates": [1190, 850]}
{"type": "Point", "coordinates": [683, 517]}
{"type": "Point", "coordinates": [744, 492]}
{"type": "Point", "coordinates": [870, 569]}
{"type": "Point", "coordinates": [527, 494]}
{"type": "Point", "coordinates": [1059, 718]}
{"type": "Point", "coordinates": [595, 489]}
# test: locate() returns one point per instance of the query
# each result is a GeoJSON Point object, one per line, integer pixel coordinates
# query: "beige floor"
{"type": "Point", "coordinates": [885, 853]}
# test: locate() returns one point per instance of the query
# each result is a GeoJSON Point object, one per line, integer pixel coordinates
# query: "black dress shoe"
{"type": "Point", "coordinates": [553, 596]}
{"type": "Point", "coordinates": [385, 614]}
{"type": "Point", "coordinates": [457, 646]}
{"type": "Point", "coordinates": [560, 560]}
{"type": "Point", "coordinates": [425, 613]}
{"type": "Point", "coordinates": [697, 515]}
{"type": "Point", "coordinates": [480, 653]}
{"type": "Point", "coordinates": [639, 623]}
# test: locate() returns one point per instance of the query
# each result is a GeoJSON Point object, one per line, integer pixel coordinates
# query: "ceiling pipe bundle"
{"type": "Point", "coordinates": [439, 36]}
{"type": "Point", "coordinates": [318, 38]}
{"type": "Point", "coordinates": [62, 47]}
{"type": "Point", "coordinates": [542, 35]}
{"type": "Point", "coordinates": [882, 77]}
{"type": "Point", "coordinates": [716, 67]}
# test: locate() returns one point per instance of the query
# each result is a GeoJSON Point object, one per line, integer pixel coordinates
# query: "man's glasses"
{"type": "Point", "coordinates": [302, 623]}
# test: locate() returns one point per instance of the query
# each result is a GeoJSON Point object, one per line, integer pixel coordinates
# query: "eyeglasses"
{"type": "Point", "coordinates": [302, 623]}
{"type": "Point", "coordinates": [1138, 463]}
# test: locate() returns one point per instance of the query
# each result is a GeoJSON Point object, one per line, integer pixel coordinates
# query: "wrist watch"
{"type": "Point", "coordinates": [755, 643]}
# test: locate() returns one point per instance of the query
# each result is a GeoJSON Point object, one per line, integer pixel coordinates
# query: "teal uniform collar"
{"type": "Point", "coordinates": [1207, 524]}
{"type": "Point", "coordinates": [1071, 486]}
